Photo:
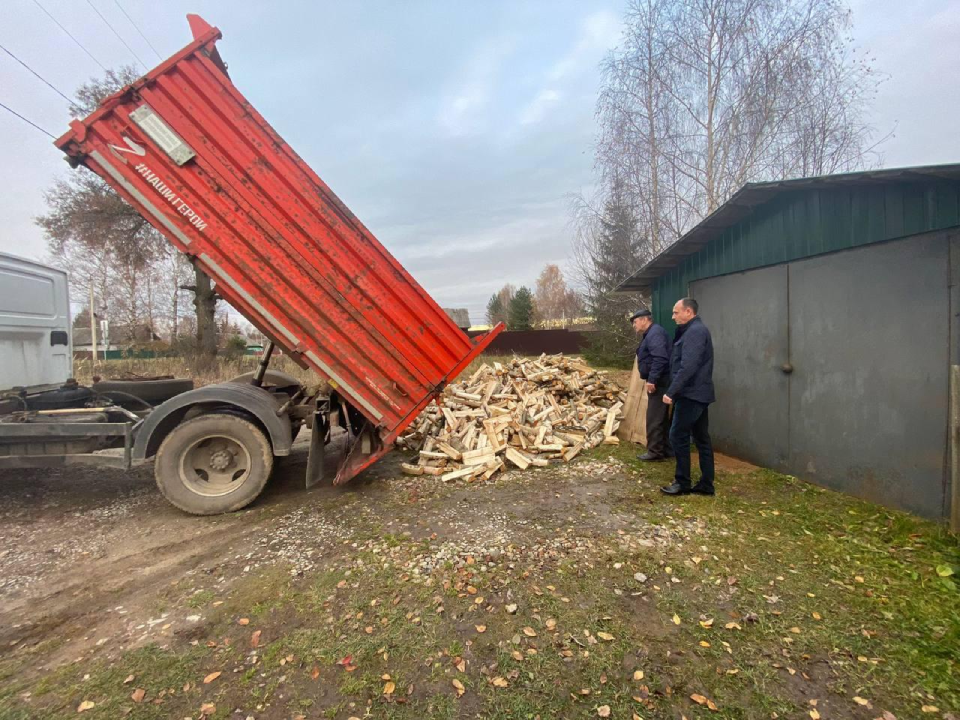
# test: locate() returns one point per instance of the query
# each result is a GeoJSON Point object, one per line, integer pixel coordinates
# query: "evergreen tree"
{"type": "Point", "coordinates": [521, 310]}
{"type": "Point", "coordinates": [615, 250]}
{"type": "Point", "coordinates": [495, 310]}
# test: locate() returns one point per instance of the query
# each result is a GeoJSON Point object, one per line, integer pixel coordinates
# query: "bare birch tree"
{"type": "Point", "coordinates": [703, 96]}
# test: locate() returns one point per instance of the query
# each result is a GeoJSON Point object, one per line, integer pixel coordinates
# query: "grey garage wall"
{"type": "Point", "coordinates": [866, 333]}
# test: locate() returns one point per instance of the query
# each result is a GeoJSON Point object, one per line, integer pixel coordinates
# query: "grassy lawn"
{"type": "Point", "coordinates": [597, 597]}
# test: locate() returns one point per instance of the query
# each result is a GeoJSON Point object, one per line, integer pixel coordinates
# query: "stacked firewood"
{"type": "Point", "coordinates": [530, 411]}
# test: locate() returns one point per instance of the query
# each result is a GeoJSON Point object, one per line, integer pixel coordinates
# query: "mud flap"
{"type": "Point", "coordinates": [320, 434]}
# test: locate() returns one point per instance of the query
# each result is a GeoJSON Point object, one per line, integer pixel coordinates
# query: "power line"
{"type": "Point", "coordinates": [28, 122]}
{"type": "Point", "coordinates": [79, 44]}
{"type": "Point", "coordinates": [36, 74]}
{"type": "Point", "coordinates": [138, 29]}
{"type": "Point", "coordinates": [93, 7]}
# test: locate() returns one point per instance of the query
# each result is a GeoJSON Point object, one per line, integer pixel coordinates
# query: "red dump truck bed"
{"type": "Point", "coordinates": [198, 161]}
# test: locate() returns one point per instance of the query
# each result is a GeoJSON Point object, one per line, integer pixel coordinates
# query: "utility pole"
{"type": "Point", "coordinates": [93, 327]}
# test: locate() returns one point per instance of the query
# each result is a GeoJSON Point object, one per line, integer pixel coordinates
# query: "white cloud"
{"type": "Point", "coordinates": [461, 110]}
{"type": "Point", "coordinates": [599, 32]}
{"type": "Point", "coordinates": [534, 111]}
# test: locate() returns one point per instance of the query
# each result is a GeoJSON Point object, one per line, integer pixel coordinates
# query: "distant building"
{"type": "Point", "coordinates": [460, 316]}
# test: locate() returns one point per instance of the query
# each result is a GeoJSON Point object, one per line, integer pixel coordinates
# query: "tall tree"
{"type": "Point", "coordinates": [608, 248]}
{"type": "Point", "coordinates": [498, 307]}
{"type": "Point", "coordinates": [108, 246]}
{"type": "Point", "coordinates": [703, 96]}
{"type": "Point", "coordinates": [521, 310]}
{"type": "Point", "coordinates": [552, 298]}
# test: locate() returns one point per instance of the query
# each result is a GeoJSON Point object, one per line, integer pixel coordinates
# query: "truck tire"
{"type": "Point", "coordinates": [213, 464]}
{"type": "Point", "coordinates": [152, 391]}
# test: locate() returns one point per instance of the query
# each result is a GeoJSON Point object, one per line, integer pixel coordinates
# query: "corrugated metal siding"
{"type": "Point", "coordinates": [804, 223]}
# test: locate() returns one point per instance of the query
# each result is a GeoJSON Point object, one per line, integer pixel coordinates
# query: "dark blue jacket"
{"type": "Point", "coordinates": [691, 367]}
{"type": "Point", "coordinates": [653, 356]}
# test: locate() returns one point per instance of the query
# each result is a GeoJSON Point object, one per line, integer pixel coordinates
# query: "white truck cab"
{"type": "Point", "coordinates": [36, 349]}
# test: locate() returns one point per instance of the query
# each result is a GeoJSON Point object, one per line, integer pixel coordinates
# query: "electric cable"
{"type": "Point", "coordinates": [79, 44]}
{"type": "Point", "coordinates": [105, 22]}
{"type": "Point", "coordinates": [135, 27]}
{"type": "Point", "coordinates": [36, 74]}
{"type": "Point", "coordinates": [28, 122]}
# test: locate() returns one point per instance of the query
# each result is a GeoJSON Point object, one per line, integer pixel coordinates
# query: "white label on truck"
{"type": "Point", "coordinates": [162, 134]}
{"type": "Point", "coordinates": [171, 196]}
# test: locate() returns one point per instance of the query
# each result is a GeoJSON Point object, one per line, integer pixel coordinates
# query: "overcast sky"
{"type": "Point", "coordinates": [456, 131]}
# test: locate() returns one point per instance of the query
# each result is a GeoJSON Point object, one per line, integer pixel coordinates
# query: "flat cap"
{"type": "Point", "coordinates": [640, 313]}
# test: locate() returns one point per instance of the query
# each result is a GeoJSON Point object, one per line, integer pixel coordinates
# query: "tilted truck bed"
{"type": "Point", "coordinates": [185, 148]}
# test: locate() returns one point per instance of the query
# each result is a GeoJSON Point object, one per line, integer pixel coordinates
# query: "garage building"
{"type": "Point", "coordinates": [834, 305]}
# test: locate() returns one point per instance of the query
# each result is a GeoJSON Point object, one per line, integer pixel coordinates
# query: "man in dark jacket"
{"type": "Point", "coordinates": [690, 392]}
{"type": "Point", "coordinates": [653, 362]}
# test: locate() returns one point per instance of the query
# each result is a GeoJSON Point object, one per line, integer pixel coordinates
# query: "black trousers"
{"type": "Point", "coordinates": [658, 424]}
{"type": "Point", "coordinates": [690, 418]}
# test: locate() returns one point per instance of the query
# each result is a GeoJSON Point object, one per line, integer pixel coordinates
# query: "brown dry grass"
{"type": "Point", "coordinates": [202, 373]}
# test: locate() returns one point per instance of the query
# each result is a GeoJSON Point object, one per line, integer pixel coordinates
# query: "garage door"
{"type": "Point", "coordinates": [865, 332]}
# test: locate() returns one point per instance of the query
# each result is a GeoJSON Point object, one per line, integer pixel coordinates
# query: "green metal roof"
{"type": "Point", "coordinates": [752, 195]}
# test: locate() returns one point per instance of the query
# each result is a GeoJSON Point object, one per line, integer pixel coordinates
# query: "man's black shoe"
{"type": "Point", "coordinates": [675, 489]}
{"type": "Point", "coordinates": [650, 457]}
{"type": "Point", "coordinates": [701, 489]}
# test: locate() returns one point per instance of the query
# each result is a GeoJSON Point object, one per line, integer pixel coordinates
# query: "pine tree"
{"type": "Point", "coordinates": [495, 310]}
{"type": "Point", "coordinates": [521, 310]}
{"type": "Point", "coordinates": [615, 251]}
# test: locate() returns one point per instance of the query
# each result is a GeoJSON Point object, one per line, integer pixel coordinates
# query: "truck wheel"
{"type": "Point", "coordinates": [213, 464]}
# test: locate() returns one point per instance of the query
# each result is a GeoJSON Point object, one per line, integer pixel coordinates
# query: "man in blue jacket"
{"type": "Point", "coordinates": [653, 362]}
{"type": "Point", "coordinates": [690, 393]}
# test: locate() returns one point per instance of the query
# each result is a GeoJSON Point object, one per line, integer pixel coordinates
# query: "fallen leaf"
{"type": "Point", "coordinates": [814, 715]}
{"type": "Point", "coordinates": [462, 665]}
{"type": "Point", "coordinates": [676, 619]}
{"type": "Point", "coordinates": [603, 711]}
{"type": "Point", "coordinates": [315, 673]}
{"type": "Point", "coordinates": [517, 655]}
{"type": "Point", "coordinates": [551, 624]}
{"type": "Point", "coordinates": [529, 631]}
{"type": "Point", "coordinates": [732, 626]}
{"type": "Point", "coordinates": [389, 688]}
{"type": "Point", "coordinates": [698, 699]}
{"type": "Point", "coordinates": [712, 705]}
{"type": "Point", "coordinates": [605, 636]}
{"type": "Point", "coordinates": [795, 630]}
{"type": "Point", "coordinates": [459, 686]}
{"type": "Point", "coordinates": [816, 616]}
{"type": "Point", "coordinates": [638, 674]}
{"type": "Point", "coordinates": [243, 621]}
{"type": "Point", "coordinates": [706, 623]}
{"type": "Point", "coordinates": [138, 695]}
{"type": "Point", "coordinates": [930, 709]}
{"type": "Point", "coordinates": [129, 679]}
{"type": "Point", "coordinates": [943, 571]}
{"type": "Point", "coordinates": [499, 682]}
{"type": "Point", "coordinates": [704, 643]}
{"type": "Point", "coordinates": [211, 677]}
{"type": "Point", "coordinates": [512, 609]}
{"type": "Point", "coordinates": [208, 709]}
{"type": "Point", "coordinates": [86, 705]}
{"type": "Point", "coordinates": [861, 701]}
{"type": "Point", "coordinates": [255, 639]}
{"type": "Point", "coordinates": [481, 628]}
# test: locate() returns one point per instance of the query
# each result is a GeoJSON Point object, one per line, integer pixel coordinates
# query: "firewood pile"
{"type": "Point", "coordinates": [522, 413]}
